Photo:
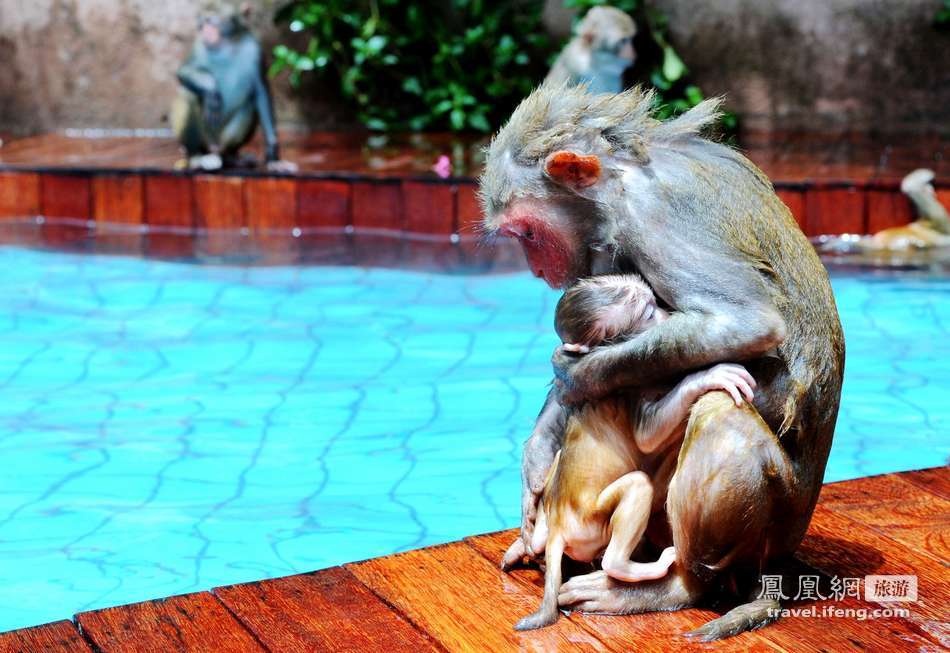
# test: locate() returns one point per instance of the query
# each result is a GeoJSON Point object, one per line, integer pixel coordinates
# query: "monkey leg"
{"type": "Point", "coordinates": [235, 134]}
{"type": "Point", "coordinates": [630, 500]}
{"type": "Point", "coordinates": [732, 486]}
{"type": "Point", "coordinates": [186, 123]}
{"type": "Point", "coordinates": [547, 614]}
{"type": "Point", "coordinates": [732, 479]}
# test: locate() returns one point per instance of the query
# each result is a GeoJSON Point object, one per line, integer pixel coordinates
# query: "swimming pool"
{"type": "Point", "coordinates": [169, 427]}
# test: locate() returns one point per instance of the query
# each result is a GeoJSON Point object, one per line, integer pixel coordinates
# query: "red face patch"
{"type": "Point", "coordinates": [548, 250]}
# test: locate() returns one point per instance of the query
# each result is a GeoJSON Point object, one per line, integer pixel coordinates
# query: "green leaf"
{"type": "Point", "coordinates": [693, 94]}
{"type": "Point", "coordinates": [457, 118]}
{"type": "Point", "coordinates": [673, 66]}
{"type": "Point", "coordinates": [479, 122]}
{"type": "Point", "coordinates": [412, 85]}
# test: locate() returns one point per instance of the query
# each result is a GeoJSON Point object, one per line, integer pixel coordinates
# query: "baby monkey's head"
{"type": "Point", "coordinates": [605, 308]}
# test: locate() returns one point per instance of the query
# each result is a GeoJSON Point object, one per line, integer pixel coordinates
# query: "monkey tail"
{"type": "Point", "coordinates": [749, 616]}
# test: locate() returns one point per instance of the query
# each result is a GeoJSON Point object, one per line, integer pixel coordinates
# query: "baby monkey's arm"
{"type": "Point", "coordinates": [657, 421]}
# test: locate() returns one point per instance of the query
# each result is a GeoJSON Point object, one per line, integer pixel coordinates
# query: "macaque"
{"type": "Point", "coordinates": [932, 227]}
{"type": "Point", "coordinates": [599, 493]}
{"type": "Point", "coordinates": [594, 184]}
{"type": "Point", "coordinates": [599, 53]}
{"type": "Point", "coordinates": [223, 96]}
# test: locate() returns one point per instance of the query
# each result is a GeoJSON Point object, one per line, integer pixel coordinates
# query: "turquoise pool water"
{"type": "Point", "coordinates": [167, 427]}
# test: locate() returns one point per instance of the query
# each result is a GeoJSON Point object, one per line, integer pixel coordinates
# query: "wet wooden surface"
{"type": "Point", "coordinates": [786, 157]}
{"type": "Point", "coordinates": [832, 185]}
{"type": "Point", "coordinates": [453, 597]}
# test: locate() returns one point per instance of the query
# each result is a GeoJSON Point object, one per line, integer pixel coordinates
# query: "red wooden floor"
{"type": "Point", "coordinates": [831, 185]}
{"type": "Point", "coordinates": [453, 597]}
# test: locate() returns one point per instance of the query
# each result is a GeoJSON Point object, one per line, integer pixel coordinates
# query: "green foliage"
{"type": "Point", "coordinates": [657, 61]}
{"type": "Point", "coordinates": [459, 64]}
{"type": "Point", "coordinates": [942, 19]}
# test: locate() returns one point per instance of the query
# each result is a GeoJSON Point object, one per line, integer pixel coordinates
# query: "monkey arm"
{"type": "Point", "coordinates": [196, 78]}
{"type": "Point", "coordinates": [266, 114]}
{"type": "Point", "coordinates": [657, 422]}
{"type": "Point", "coordinates": [539, 452]}
{"type": "Point", "coordinates": [725, 313]}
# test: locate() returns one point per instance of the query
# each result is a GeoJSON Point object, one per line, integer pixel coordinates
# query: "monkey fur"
{"type": "Point", "coordinates": [599, 53]}
{"type": "Point", "coordinates": [704, 228]}
{"type": "Point", "coordinates": [223, 96]}
{"type": "Point", "coordinates": [612, 470]}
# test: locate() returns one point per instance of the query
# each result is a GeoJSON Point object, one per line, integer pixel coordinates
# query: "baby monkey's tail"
{"type": "Point", "coordinates": [748, 616]}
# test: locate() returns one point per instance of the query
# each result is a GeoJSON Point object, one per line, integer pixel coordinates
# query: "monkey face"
{"type": "Point", "coordinates": [623, 49]}
{"type": "Point", "coordinates": [549, 237]}
{"type": "Point", "coordinates": [210, 31]}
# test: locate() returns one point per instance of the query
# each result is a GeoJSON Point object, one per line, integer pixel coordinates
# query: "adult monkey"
{"type": "Point", "coordinates": [223, 96]}
{"type": "Point", "coordinates": [599, 53]}
{"type": "Point", "coordinates": [594, 184]}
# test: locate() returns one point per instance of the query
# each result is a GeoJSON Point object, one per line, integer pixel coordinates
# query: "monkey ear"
{"type": "Point", "coordinates": [576, 171]}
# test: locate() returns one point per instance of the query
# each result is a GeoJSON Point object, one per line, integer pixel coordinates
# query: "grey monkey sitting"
{"type": "Point", "coordinates": [223, 95]}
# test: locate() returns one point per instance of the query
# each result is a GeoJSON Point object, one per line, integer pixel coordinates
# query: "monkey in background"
{"type": "Point", "coordinates": [931, 228]}
{"type": "Point", "coordinates": [618, 454]}
{"type": "Point", "coordinates": [223, 97]}
{"type": "Point", "coordinates": [599, 53]}
{"type": "Point", "coordinates": [572, 175]}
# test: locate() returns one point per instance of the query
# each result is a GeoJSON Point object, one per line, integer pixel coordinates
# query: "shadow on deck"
{"type": "Point", "coordinates": [452, 597]}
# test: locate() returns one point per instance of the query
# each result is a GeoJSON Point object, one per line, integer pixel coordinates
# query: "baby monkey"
{"type": "Point", "coordinates": [599, 493]}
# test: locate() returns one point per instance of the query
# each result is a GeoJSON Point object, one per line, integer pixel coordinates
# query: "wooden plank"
{"type": "Point", "coordinates": [191, 622]}
{"type": "Point", "coordinates": [899, 509]}
{"type": "Point", "coordinates": [323, 204]}
{"type": "Point", "coordinates": [834, 211]}
{"type": "Point", "coordinates": [329, 610]}
{"type": "Point", "coordinates": [377, 205]}
{"type": "Point", "coordinates": [169, 212]}
{"type": "Point", "coordinates": [887, 208]}
{"type": "Point", "coordinates": [169, 201]}
{"type": "Point", "coordinates": [935, 480]}
{"type": "Point", "coordinates": [56, 637]}
{"type": "Point", "coordinates": [832, 623]}
{"type": "Point", "coordinates": [840, 546]}
{"type": "Point", "coordinates": [19, 194]}
{"type": "Point", "coordinates": [795, 201]}
{"type": "Point", "coordinates": [652, 631]}
{"type": "Point", "coordinates": [430, 208]}
{"type": "Point", "coordinates": [271, 203]}
{"type": "Point", "coordinates": [219, 212]}
{"type": "Point", "coordinates": [465, 603]}
{"type": "Point", "coordinates": [66, 203]}
{"type": "Point", "coordinates": [118, 199]}
{"type": "Point", "coordinates": [219, 202]}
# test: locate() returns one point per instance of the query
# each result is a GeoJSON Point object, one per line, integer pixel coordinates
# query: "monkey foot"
{"type": "Point", "coordinates": [536, 620]}
{"type": "Point", "coordinates": [281, 166]}
{"type": "Point", "coordinates": [207, 162]}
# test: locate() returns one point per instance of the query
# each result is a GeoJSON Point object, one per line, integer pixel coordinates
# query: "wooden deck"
{"type": "Point", "coordinates": [832, 186]}
{"type": "Point", "coordinates": [454, 598]}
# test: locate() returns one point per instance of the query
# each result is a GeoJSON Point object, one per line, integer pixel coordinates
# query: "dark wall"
{"type": "Point", "coordinates": [783, 64]}
{"type": "Point", "coordinates": [863, 65]}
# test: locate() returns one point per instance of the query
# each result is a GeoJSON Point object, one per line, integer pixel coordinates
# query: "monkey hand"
{"type": "Point", "coordinates": [730, 377]}
{"type": "Point", "coordinates": [213, 106]}
{"type": "Point", "coordinates": [574, 375]}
